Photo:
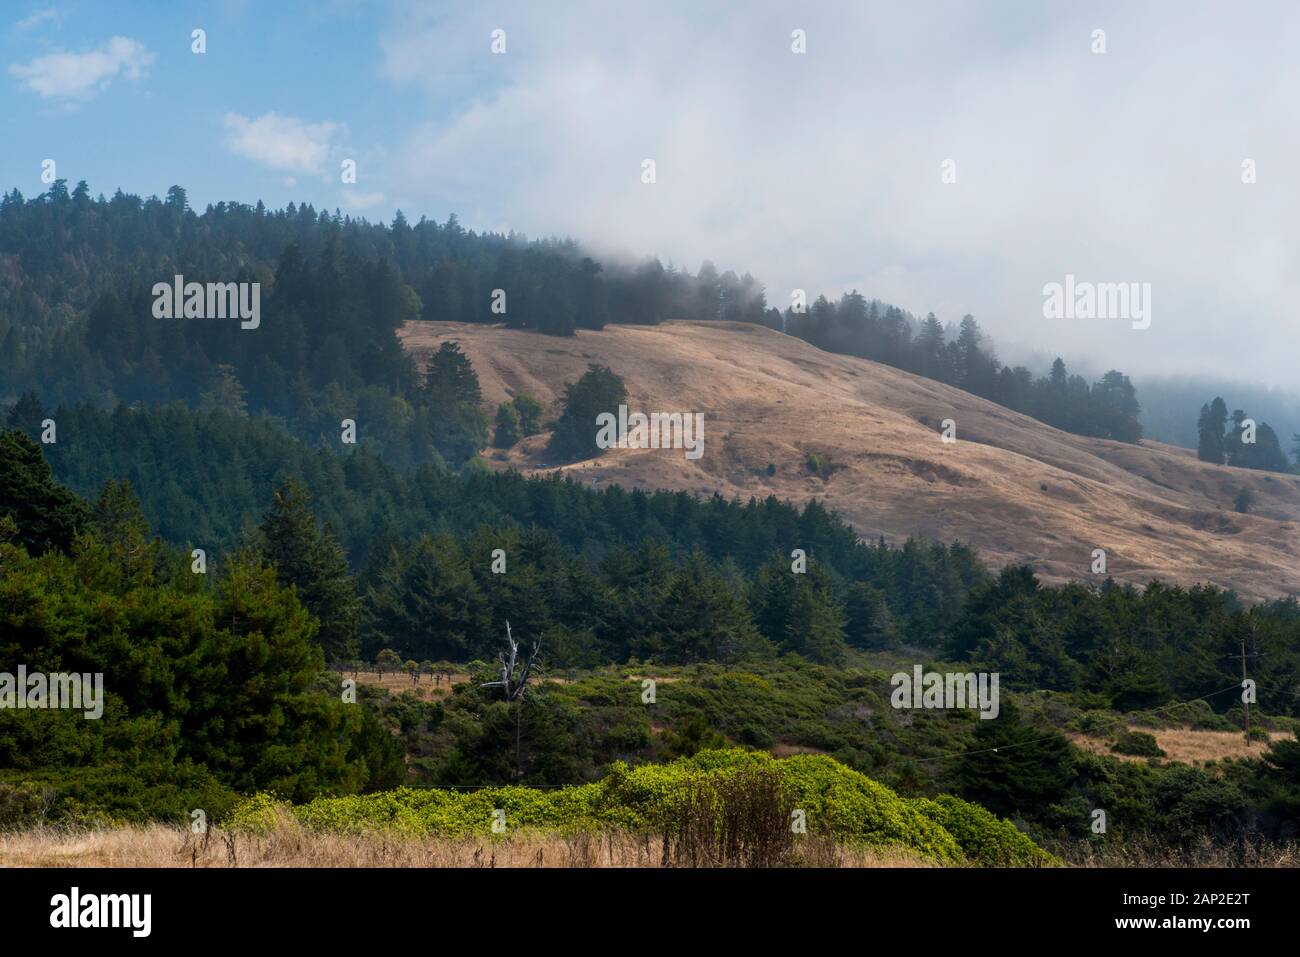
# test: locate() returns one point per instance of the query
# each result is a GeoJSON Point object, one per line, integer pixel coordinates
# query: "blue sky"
{"type": "Point", "coordinates": [818, 171]}
{"type": "Point", "coordinates": [169, 124]}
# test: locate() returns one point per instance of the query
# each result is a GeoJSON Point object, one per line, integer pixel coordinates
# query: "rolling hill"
{"type": "Point", "coordinates": [1016, 489]}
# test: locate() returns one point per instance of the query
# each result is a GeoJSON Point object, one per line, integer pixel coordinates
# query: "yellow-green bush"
{"type": "Point", "coordinates": [984, 838]}
{"type": "Point", "coordinates": [834, 799]}
{"type": "Point", "coordinates": [259, 814]}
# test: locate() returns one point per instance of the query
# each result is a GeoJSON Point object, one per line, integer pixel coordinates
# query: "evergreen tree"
{"type": "Point", "coordinates": [815, 626]}
{"type": "Point", "coordinates": [507, 428]}
{"type": "Point", "coordinates": [225, 393]}
{"type": "Point", "coordinates": [1116, 408]}
{"type": "Point", "coordinates": [599, 390]}
{"type": "Point", "coordinates": [451, 378]}
{"type": "Point", "coordinates": [307, 557]}
{"type": "Point", "coordinates": [868, 623]}
{"type": "Point", "coordinates": [704, 620]}
{"type": "Point", "coordinates": [426, 604]}
{"type": "Point", "coordinates": [118, 523]}
{"type": "Point", "coordinates": [1234, 445]}
{"type": "Point", "coordinates": [771, 598]}
{"type": "Point", "coordinates": [931, 351]}
{"type": "Point", "coordinates": [1265, 453]}
{"type": "Point", "coordinates": [1057, 377]}
{"type": "Point", "coordinates": [974, 370]}
{"type": "Point", "coordinates": [1015, 765]}
{"type": "Point", "coordinates": [46, 514]}
{"type": "Point", "coordinates": [530, 414]}
{"type": "Point", "coordinates": [1209, 429]}
{"type": "Point", "coordinates": [26, 415]}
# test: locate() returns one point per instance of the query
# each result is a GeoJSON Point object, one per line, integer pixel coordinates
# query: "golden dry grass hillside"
{"type": "Point", "coordinates": [1185, 745]}
{"type": "Point", "coordinates": [1018, 490]}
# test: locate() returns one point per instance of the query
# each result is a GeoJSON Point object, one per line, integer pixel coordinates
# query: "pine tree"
{"type": "Point", "coordinates": [931, 351]}
{"type": "Point", "coordinates": [224, 394]}
{"type": "Point", "coordinates": [118, 523]}
{"type": "Point", "coordinates": [507, 428]}
{"type": "Point", "coordinates": [599, 390]}
{"type": "Point", "coordinates": [26, 415]}
{"type": "Point", "coordinates": [1014, 765]}
{"type": "Point", "coordinates": [1265, 453]}
{"type": "Point", "coordinates": [815, 627]}
{"type": "Point", "coordinates": [1114, 409]}
{"type": "Point", "coordinates": [451, 378]}
{"type": "Point", "coordinates": [868, 623]}
{"type": "Point", "coordinates": [972, 364]}
{"type": "Point", "coordinates": [705, 620]}
{"type": "Point", "coordinates": [1057, 377]}
{"type": "Point", "coordinates": [1211, 446]}
{"type": "Point", "coordinates": [1235, 449]}
{"type": "Point", "coordinates": [1272, 457]}
{"type": "Point", "coordinates": [1209, 442]}
{"type": "Point", "coordinates": [307, 556]}
{"type": "Point", "coordinates": [46, 514]}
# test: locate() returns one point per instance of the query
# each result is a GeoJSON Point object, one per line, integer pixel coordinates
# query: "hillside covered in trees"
{"type": "Point", "coordinates": [76, 323]}
{"type": "Point", "coordinates": [198, 533]}
{"type": "Point", "coordinates": [699, 593]}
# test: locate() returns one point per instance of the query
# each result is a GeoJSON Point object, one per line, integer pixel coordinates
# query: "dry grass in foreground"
{"type": "Point", "coordinates": [159, 845]}
{"type": "Point", "coordinates": [1206, 854]}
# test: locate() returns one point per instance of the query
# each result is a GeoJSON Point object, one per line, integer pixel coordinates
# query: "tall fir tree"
{"type": "Point", "coordinates": [306, 555]}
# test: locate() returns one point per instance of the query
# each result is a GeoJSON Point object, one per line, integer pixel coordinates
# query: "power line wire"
{"type": "Point", "coordinates": [1120, 719]}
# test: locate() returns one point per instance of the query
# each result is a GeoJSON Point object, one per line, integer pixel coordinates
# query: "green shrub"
{"type": "Point", "coordinates": [1139, 744]}
{"type": "Point", "coordinates": [983, 838]}
{"type": "Point", "coordinates": [856, 810]}
{"type": "Point", "coordinates": [720, 805]}
{"type": "Point", "coordinates": [530, 414]}
{"type": "Point", "coordinates": [816, 463]}
{"type": "Point", "coordinates": [260, 814]}
{"type": "Point", "coordinates": [23, 804]}
{"type": "Point", "coordinates": [111, 796]}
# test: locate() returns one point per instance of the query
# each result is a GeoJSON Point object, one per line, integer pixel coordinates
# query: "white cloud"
{"type": "Point", "coordinates": [822, 171]}
{"type": "Point", "coordinates": [283, 143]}
{"type": "Point", "coordinates": [34, 20]}
{"type": "Point", "coordinates": [83, 75]}
{"type": "Point", "coordinates": [354, 200]}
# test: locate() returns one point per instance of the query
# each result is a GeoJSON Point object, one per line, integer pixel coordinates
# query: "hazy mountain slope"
{"type": "Point", "coordinates": [1170, 405]}
{"type": "Point", "coordinates": [1015, 488]}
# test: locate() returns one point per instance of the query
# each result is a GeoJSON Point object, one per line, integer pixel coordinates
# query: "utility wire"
{"type": "Point", "coordinates": [1121, 719]}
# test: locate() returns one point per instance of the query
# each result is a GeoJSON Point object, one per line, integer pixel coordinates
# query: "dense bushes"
{"type": "Point", "coordinates": [571, 732]}
{"type": "Point", "coordinates": [209, 688]}
{"type": "Point", "coordinates": [672, 798]}
{"type": "Point", "coordinates": [1138, 744]}
{"type": "Point", "coordinates": [980, 835]}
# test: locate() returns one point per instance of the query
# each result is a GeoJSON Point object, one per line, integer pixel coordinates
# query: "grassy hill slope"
{"type": "Point", "coordinates": [1017, 489]}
